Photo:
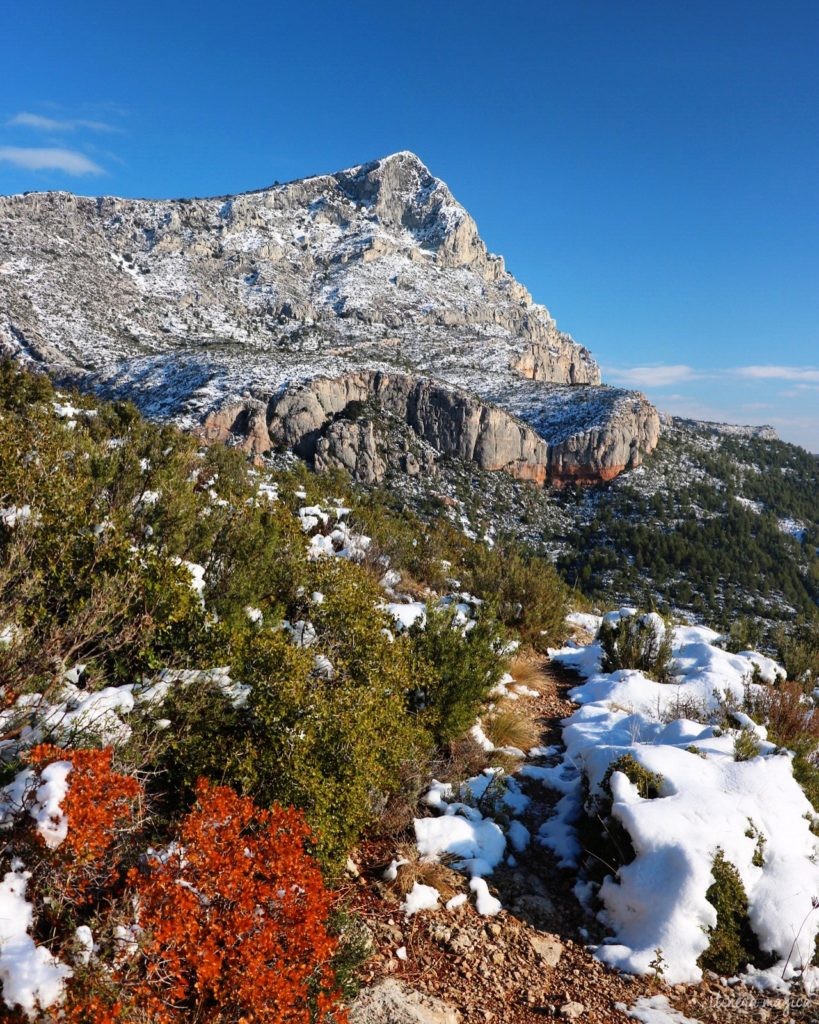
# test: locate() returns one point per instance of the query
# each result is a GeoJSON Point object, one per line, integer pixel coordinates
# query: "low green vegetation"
{"type": "Point", "coordinates": [732, 943]}
{"type": "Point", "coordinates": [721, 527]}
{"type": "Point", "coordinates": [641, 642]}
{"type": "Point", "coordinates": [453, 672]}
{"type": "Point", "coordinates": [606, 843]}
{"type": "Point", "coordinates": [648, 783]}
{"type": "Point", "coordinates": [798, 651]}
{"type": "Point", "coordinates": [522, 584]}
{"type": "Point", "coordinates": [746, 746]}
{"type": "Point", "coordinates": [128, 549]}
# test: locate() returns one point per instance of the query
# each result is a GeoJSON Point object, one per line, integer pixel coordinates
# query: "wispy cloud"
{"type": "Point", "coordinates": [650, 376]}
{"type": "Point", "coordinates": [794, 373]}
{"type": "Point", "coordinates": [53, 124]}
{"type": "Point", "coordinates": [661, 376]}
{"type": "Point", "coordinates": [49, 158]}
{"type": "Point", "coordinates": [692, 407]}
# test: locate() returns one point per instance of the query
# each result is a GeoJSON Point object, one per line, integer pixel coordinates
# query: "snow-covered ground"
{"type": "Point", "coordinates": [753, 810]}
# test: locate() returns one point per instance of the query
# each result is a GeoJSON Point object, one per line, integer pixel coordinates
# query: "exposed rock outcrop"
{"type": "Point", "coordinates": [352, 446]}
{"type": "Point", "coordinates": [763, 432]}
{"type": "Point", "coordinates": [322, 421]}
{"type": "Point", "coordinates": [246, 423]}
{"type": "Point", "coordinates": [451, 421]}
{"type": "Point", "coordinates": [558, 362]}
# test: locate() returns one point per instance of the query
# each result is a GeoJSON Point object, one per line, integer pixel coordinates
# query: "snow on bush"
{"type": "Point", "coordinates": [709, 801]}
{"type": "Point", "coordinates": [463, 831]}
{"type": "Point", "coordinates": [30, 977]}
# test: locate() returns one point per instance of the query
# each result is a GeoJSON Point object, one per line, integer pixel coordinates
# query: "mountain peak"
{"type": "Point", "coordinates": [187, 305]}
{"type": "Point", "coordinates": [403, 159]}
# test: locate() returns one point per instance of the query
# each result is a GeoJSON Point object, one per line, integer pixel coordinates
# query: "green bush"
{"type": "Point", "coordinates": [805, 767]}
{"type": "Point", "coordinates": [331, 743]}
{"type": "Point", "coordinates": [204, 726]}
{"type": "Point", "coordinates": [745, 634]}
{"type": "Point", "coordinates": [648, 783]}
{"type": "Point", "coordinates": [732, 943]}
{"type": "Point", "coordinates": [333, 750]}
{"type": "Point", "coordinates": [428, 550]}
{"type": "Point", "coordinates": [798, 650]}
{"type": "Point", "coordinates": [606, 842]}
{"type": "Point", "coordinates": [746, 746]}
{"type": "Point", "coordinates": [523, 586]}
{"type": "Point", "coordinates": [331, 746]}
{"type": "Point", "coordinates": [636, 642]}
{"type": "Point", "coordinates": [453, 671]}
{"type": "Point", "coordinates": [525, 589]}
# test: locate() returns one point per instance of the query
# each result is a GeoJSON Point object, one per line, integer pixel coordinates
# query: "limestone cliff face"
{"type": "Point", "coordinates": [333, 422]}
{"type": "Point", "coordinates": [452, 422]}
{"type": "Point", "coordinates": [200, 310]}
{"type": "Point", "coordinates": [557, 361]}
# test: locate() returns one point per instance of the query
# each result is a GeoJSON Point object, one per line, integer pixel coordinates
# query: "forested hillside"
{"type": "Point", "coordinates": [718, 525]}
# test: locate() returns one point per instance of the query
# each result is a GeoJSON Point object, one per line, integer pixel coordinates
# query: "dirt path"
{"type": "Point", "coordinates": [531, 961]}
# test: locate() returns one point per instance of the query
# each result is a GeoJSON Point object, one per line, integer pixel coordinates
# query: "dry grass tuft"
{"type": "Point", "coordinates": [509, 727]}
{"type": "Point", "coordinates": [412, 587]}
{"type": "Point", "coordinates": [526, 668]}
{"type": "Point", "coordinates": [462, 759]}
{"type": "Point", "coordinates": [438, 874]}
{"type": "Point", "coordinates": [401, 807]}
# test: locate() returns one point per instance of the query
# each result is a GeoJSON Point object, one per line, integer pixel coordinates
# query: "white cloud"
{"type": "Point", "coordinates": [805, 377]}
{"type": "Point", "coordinates": [48, 158]}
{"type": "Point", "coordinates": [53, 124]}
{"type": "Point", "coordinates": [692, 408]}
{"type": "Point", "coordinates": [650, 376]}
{"type": "Point", "coordinates": [795, 373]}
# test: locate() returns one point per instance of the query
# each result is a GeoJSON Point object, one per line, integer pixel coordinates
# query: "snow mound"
{"type": "Point", "coordinates": [30, 977]}
{"type": "Point", "coordinates": [753, 810]}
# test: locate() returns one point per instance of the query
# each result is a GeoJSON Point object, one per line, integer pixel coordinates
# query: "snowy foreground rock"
{"type": "Point", "coordinates": [708, 801]}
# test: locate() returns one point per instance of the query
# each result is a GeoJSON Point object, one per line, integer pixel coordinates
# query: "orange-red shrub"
{"type": "Point", "coordinates": [234, 919]}
{"type": "Point", "coordinates": [101, 806]}
{"type": "Point", "coordinates": [94, 1010]}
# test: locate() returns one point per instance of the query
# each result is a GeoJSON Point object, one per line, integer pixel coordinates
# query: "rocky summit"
{"type": "Point", "coordinates": [266, 318]}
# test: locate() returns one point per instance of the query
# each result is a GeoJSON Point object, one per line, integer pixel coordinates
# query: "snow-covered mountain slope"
{"type": "Point", "coordinates": [193, 306]}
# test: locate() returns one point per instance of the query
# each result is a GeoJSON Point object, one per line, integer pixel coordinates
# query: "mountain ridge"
{"type": "Point", "coordinates": [194, 306]}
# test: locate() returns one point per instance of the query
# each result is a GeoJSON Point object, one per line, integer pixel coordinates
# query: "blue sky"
{"type": "Point", "coordinates": [648, 169]}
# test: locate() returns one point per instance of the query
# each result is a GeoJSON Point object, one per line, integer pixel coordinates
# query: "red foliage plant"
{"type": "Point", "coordinates": [232, 917]}
{"type": "Point", "coordinates": [101, 806]}
{"type": "Point", "coordinates": [234, 920]}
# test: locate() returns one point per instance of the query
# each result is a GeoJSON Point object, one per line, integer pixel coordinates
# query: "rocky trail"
{"type": "Point", "coordinates": [534, 960]}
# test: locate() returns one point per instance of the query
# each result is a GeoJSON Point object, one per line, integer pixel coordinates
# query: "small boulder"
{"type": "Point", "coordinates": [548, 947]}
{"type": "Point", "coordinates": [393, 1002]}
